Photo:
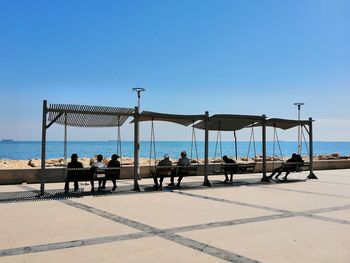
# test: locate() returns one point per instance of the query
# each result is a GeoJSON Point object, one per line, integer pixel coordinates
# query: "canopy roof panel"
{"type": "Point", "coordinates": [88, 116]}
{"type": "Point", "coordinates": [284, 124]}
{"type": "Point", "coordinates": [179, 119]}
{"type": "Point", "coordinates": [229, 122]}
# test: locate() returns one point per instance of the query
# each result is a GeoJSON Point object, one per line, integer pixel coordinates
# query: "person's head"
{"type": "Point", "coordinates": [74, 157]}
{"type": "Point", "coordinates": [183, 153]}
{"type": "Point", "coordinates": [99, 158]}
{"type": "Point", "coordinates": [294, 155]}
{"type": "Point", "coordinates": [115, 156]}
{"type": "Point", "coordinates": [224, 157]}
{"type": "Point", "coordinates": [166, 156]}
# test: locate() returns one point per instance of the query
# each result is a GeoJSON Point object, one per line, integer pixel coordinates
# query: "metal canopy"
{"type": "Point", "coordinates": [88, 116]}
{"type": "Point", "coordinates": [179, 119]}
{"type": "Point", "coordinates": [229, 122]}
{"type": "Point", "coordinates": [284, 124]}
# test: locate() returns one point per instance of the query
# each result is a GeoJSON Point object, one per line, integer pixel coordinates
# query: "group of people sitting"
{"type": "Point", "coordinates": [97, 164]}
{"type": "Point", "coordinates": [228, 168]}
{"type": "Point", "coordinates": [161, 173]}
{"type": "Point", "coordinates": [296, 158]}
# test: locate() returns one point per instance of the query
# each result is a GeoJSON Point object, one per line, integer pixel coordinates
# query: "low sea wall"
{"type": "Point", "coordinates": [56, 175]}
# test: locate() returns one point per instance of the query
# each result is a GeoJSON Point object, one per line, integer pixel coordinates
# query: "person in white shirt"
{"type": "Point", "coordinates": [97, 164]}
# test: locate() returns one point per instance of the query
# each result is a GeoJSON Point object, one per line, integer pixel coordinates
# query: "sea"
{"type": "Point", "coordinates": [24, 150]}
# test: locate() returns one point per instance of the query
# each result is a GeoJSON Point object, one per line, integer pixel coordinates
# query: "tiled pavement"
{"type": "Point", "coordinates": [298, 221]}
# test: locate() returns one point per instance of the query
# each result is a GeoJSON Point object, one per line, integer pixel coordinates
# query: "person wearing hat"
{"type": "Point", "coordinates": [113, 175]}
{"type": "Point", "coordinates": [72, 164]}
{"type": "Point", "coordinates": [161, 172]}
{"type": "Point", "coordinates": [183, 161]}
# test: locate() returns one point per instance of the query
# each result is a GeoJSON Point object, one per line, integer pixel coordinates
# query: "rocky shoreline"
{"type": "Point", "coordinates": [60, 162]}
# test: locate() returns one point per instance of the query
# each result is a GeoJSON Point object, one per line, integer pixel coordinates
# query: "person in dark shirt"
{"type": "Point", "coordinates": [230, 168]}
{"type": "Point", "coordinates": [296, 158]}
{"type": "Point", "coordinates": [113, 175]}
{"type": "Point", "coordinates": [161, 173]}
{"type": "Point", "coordinates": [74, 163]}
{"type": "Point", "coordinates": [183, 161]}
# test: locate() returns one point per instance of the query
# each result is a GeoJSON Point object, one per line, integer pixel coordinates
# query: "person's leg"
{"type": "Point", "coordinates": [161, 179]}
{"type": "Point", "coordinates": [114, 181]}
{"type": "Point", "coordinates": [66, 186]}
{"type": "Point", "coordinates": [285, 177]}
{"type": "Point", "coordinates": [179, 180]}
{"type": "Point", "coordinates": [76, 186]}
{"type": "Point", "coordinates": [226, 177]}
{"type": "Point", "coordinates": [171, 181]}
{"type": "Point", "coordinates": [155, 180]}
{"type": "Point", "coordinates": [104, 183]}
{"type": "Point", "coordinates": [279, 173]}
{"type": "Point", "coordinates": [92, 186]}
{"type": "Point", "coordinates": [231, 179]}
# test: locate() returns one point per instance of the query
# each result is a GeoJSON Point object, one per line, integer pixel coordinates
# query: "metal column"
{"type": "Point", "coordinates": [206, 150]}
{"type": "Point", "coordinates": [311, 152]}
{"type": "Point", "coordinates": [43, 149]}
{"type": "Point", "coordinates": [136, 150]}
{"type": "Point", "coordinates": [264, 178]}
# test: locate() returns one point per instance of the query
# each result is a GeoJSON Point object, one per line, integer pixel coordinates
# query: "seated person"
{"type": "Point", "coordinates": [97, 164]}
{"type": "Point", "coordinates": [229, 168]}
{"type": "Point", "coordinates": [160, 173]}
{"type": "Point", "coordinates": [113, 175]}
{"type": "Point", "coordinates": [72, 164]}
{"type": "Point", "coordinates": [294, 159]}
{"type": "Point", "coordinates": [183, 161]}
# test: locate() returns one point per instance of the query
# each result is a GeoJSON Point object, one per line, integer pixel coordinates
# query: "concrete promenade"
{"type": "Point", "coordinates": [248, 221]}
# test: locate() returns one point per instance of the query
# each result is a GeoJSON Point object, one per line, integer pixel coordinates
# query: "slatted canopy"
{"type": "Point", "coordinates": [284, 124]}
{"type": "Point", "coordinates": [229, 122]}
{"type": "Point", "coordinates": [88, 116]}
{"type": "Point", "coordinates": [179, 119]}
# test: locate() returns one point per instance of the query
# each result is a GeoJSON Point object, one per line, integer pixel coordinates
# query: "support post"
{"type": "Point", "coordinates": [311, 152]}
{"type": "Point", "coordinates": [263, 126]}
{"type": "Point", "coordinates": [206, 149]}
{"type": "Point", "coordinates": [136, 150]}
{"type": "Point", "coordinates": [43, 149]}
{"type": "Point", "coordinates": [236, 153]}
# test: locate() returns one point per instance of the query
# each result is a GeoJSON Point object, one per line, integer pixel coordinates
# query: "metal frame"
{"type": "Point", "coordinates": [80, 116]}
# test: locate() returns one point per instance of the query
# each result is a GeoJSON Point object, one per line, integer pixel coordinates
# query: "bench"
{"type": "Point", "coordinates": [236, 168]}
{"type": "Point", "coordinates": [174, 170]}
{"type": "Point", "coordinates": [91, 174]}
{"type": "Point", "coordinates": [290, 167]}
{"type": "Point", "coordinates": [294, 167]}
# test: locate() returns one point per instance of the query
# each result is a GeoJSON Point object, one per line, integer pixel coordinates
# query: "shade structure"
{"type": "Point", "coordinates": [88, 116]}
{"type": "Point", "coordinates": [176, 118]}
{"type": "Point", "coordinates": [284, 124]}
{"type": "Point", "coordinates": [229, 122]}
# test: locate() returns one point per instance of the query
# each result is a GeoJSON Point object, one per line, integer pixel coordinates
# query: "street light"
{"type": "Point", "coordinates": [299, 104]}
{"type": "Point", "coordinates": [137, 140]}
{"type": "Point", "coordinates": [138, 90]}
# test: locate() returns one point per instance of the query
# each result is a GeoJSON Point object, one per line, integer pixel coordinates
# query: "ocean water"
{"type": "Point", "coordinates": [22, 150]}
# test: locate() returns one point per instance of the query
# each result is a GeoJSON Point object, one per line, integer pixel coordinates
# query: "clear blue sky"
{"type": "Point", "coordinates": [226, 56]}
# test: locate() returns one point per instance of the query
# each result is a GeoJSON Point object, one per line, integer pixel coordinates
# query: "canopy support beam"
{"type": "Point", "coordinates": [206, 150]}
{"type": "Point", "coordinates": [43, 149]}
{"type": "Point", "coordinates": [264, 178]}
{"type": "Point", "coordinates": [311, 152]}
{"type": "Point", "coordinates": [136, 150]}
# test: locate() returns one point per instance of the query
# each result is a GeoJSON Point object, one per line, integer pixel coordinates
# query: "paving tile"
{"type": "Point", "coordinates": [166, 210]}
{"type": "Point", "coordinates": [152, 249]}
{"type": "Point", "coordinates": [270, 197]}
{"type": "Point", "coordinates": [34, 223]}
{"type": "Point", "coordinates": [284, 240]}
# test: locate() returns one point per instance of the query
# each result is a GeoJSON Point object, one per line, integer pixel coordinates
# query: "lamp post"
{"type": "Point", "coordinates": [138, 90]}
{"type": "Point", "coordinates": [299, 104]}
{"type": "Point", "coordinates": [137, 171]}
